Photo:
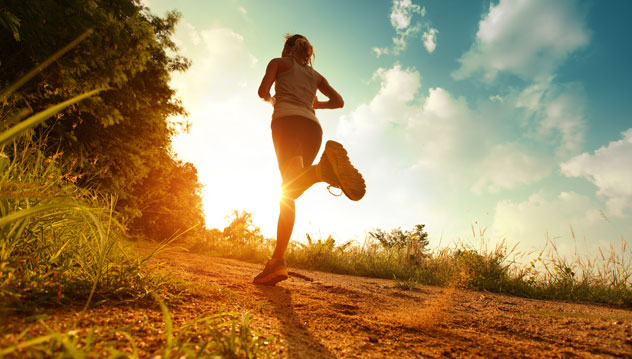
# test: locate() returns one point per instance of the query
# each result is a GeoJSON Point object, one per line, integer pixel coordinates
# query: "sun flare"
{"type": "Point", "coordinates": [262, 200]}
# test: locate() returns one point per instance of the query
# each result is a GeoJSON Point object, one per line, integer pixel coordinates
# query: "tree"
{"type": "Point", "coordinates": [169, 201]}
{"type": "Point", "coordinates": [122, 137]}
{"type": "Point", "coordinates": [241, 230]}
{"type": "Point", "coordinates": [414, 241]}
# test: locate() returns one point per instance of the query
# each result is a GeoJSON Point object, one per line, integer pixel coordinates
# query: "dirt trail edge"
{"type": "Point", "coordinates": [322, 315]}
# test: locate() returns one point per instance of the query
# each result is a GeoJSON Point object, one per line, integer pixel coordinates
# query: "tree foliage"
{"type": "Point", "coordinates": [415, 241]}
{"type": "Point", "coordinates": [10, 22]}
{"type": "Point", "coordinates": [241, 230]}
{"type": "Point", "coordinates": [120, 140]}
{"type": "Point", "coordinates": [168, 200]}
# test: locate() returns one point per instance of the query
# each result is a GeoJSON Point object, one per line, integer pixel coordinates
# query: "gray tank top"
{"type": "Point", "coordinates": [295, 90]}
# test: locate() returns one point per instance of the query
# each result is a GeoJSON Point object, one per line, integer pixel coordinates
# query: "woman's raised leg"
{"type": "Point", "coordinates": [297, 180]}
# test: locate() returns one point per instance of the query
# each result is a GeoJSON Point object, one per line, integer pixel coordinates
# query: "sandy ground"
{"type": "Point", "coordinates": [322, 315]}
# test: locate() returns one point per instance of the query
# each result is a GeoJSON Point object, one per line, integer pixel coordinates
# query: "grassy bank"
{"type": "Point", "coordinates": [64, 246]}
{"type": "Point", "coordinates": [60, 243]}
{"type": "Point", "coordinates": [602, 279]}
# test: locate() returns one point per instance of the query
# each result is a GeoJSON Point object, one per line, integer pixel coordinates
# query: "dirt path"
{"type": "Point", "coordinates": [321, 315]}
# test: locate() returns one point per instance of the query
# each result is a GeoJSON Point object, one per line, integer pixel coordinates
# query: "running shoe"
{"type": "Point", "coordinates": [274, 272]}
{"type": "Point", "coordinates": [336, 169]}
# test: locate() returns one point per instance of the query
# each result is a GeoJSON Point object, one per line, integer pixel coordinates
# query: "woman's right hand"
{"type": "Point", "coordinates": [335, 100]}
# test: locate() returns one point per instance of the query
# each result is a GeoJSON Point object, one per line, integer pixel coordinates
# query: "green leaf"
{"type": "Point", "coordinates": [29, 212]}
{"type": "Point", "coordinates": [4, 94]}
{"type": "Point", "coordinates": [8, 135]}
{"type": "Point", "coordinates": [10, 22]}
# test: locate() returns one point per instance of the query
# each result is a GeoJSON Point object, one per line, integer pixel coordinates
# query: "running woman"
{"type": "Point", "coordinates": [297, 137]}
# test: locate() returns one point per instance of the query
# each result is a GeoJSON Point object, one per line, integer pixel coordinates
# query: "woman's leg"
{"type": "Point", "coordinates": [296, 142]}
{"type": "Point", "coordinates": [285, 225]}
{"type": "Point", "coordinates": [298, 175]}
{"type": "Point", "coordinates": [299, 179]}
{"type": "Point", "coordinates": [287, 208]}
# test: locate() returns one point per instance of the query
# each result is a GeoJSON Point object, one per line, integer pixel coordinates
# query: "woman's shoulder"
{"type": "Point", "coordinates": [317, 76]}
{"type": "Point", "coordinates": [282, 63]}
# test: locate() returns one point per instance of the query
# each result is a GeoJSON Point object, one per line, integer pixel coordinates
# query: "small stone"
{"type": "Point", "coordinates": [628, 341]}
{"type": "Point", "coordinates": [618, 322]}
{"type": "Point", "coordinates": [373, 339]}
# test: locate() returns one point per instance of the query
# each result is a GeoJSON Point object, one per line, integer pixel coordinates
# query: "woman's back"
{"type": "Point", "coordinates": [295, 88]}
{"type": "Point", "coordinates": [296, 85]}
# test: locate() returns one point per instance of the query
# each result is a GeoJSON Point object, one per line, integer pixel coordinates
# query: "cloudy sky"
{"type": "Point", "coordinates": [512, 117]}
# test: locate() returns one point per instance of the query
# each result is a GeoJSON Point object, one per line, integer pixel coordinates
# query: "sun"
{"type": "Point", "coordinates": [258, 194]}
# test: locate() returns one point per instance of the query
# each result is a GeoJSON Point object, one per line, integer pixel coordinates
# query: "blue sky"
{"type": "Point", "coordinates": [507, 116]}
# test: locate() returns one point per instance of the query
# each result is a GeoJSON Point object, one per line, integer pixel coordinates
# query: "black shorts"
{"type": "Point", "coordinates": [296, 136]}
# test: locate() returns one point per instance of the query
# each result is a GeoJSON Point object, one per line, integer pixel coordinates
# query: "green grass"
{"type": "Point", "coordinates": [225, 335]}
{"type": "Point", "coordinates": [221, 335]}
{"type": "Point", "coordinates": [61, 245]}
{"type": "Point", "coordinates": [57, 240]}
{"type": "Point", "coordinates": [602, 279]}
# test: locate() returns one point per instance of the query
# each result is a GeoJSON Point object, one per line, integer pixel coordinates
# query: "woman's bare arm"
{"type": "Point", "coordinates": [335, 100]}
{"type": "Point", "coordinates": [268, 80]}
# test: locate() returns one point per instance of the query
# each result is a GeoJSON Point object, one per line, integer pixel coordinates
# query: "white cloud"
{"type": "Point", "coordinates": [439, 150]}
{"type": "Point", "coordinates": [430, 39]}
{"type": "Point", "coordinates": [402, 141]}
{"type": "Point", "coordinates": [380, 51]}
{"type": "Point", "coordinates": [507, 166]}
{"type": "Point", "coordinates": [525, 38]}
{"type": "Point", "coordinates": [437, 132]}
{"type": "Point", "coordinates": [402, 15]}
{"type": "Point", "coordinates": [242, 10]}
{"type": "Point", "coordinates": [530, 39]}
{"type": "Point", "coordinates": [222, 66]}
{"type": "Point", "coordinates": [416, 130]}
{"type": "Point", "coordinates": [610, 169]}
{"type": "Point", "coordinates": [397, 88]}
{"type": "Point", "coordinates": [496, 98]}
{"type": "Point", "coordinates": [194, 35]}
{"type": "Point", "coordinates": [571, 220]}
{"type": "Point", "coordinates": [557, 113]}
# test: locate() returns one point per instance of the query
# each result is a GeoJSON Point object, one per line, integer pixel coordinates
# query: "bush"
{"type": "Point", "coordinates": [404, 256]}
{"type": "Point", "coordinates": [241, 239]}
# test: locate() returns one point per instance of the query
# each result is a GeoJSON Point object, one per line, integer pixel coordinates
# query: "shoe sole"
{"type": "Point", "coordinates": [350, 179]}
{"type": "Point", "coordinates": [273, 278]}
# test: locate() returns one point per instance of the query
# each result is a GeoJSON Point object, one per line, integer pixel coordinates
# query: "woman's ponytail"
{"type": "Point", "coordinates": [299, 48]}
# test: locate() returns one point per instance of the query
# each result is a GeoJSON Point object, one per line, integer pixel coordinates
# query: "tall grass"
{"type": "Point", "coordinates": [57, 240]}
{"type": "Point", "coordinates": [598, 278]}
{"type": "Point", "coordinates": [604, 278]}
{"type": "Point", "coordinates": [60, 244]}
{"type": "Point", "coordinates": [241, 239]}
{"type": "Point", "coordinates": [221, 335]}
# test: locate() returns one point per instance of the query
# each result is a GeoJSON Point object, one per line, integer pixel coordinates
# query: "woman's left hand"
{"type": "Point", "coordinates": [270, 99]}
